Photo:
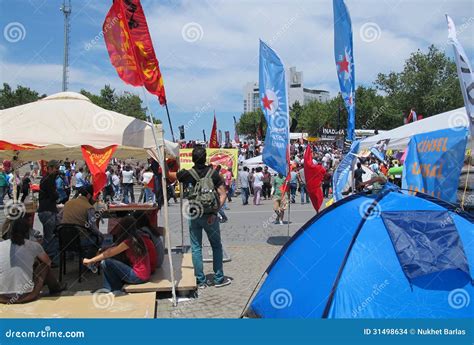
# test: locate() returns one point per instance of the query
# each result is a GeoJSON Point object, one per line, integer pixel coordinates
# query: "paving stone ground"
{"type": "Point", "coordinates": [249, 237]}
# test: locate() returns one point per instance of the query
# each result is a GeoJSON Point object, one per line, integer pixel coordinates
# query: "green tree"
{"type": "Point", "coordinates": [428, 82]}
{"type": "Point", "coordinates": [125, 103]}
{"type": "Point", "coordinates": [249, 122]}
{"type": "Point", "coordinates": [21, 95]}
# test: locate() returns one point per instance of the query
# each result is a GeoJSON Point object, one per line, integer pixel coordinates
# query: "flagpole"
{"type": "Point", "coordinates": [289, 210]}
{"type": "Point", "coordinates": [169, 121]}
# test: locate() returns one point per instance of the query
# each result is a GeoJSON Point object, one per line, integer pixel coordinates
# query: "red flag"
{"type": "Point", "coordinates": [97, 160]}
{"type": "Point", "coordinates": [213, 143]}
{"type": "Point", "coordinates": [285, 187]}
{"type": "Point", "coordinates": [130, 47]}
{"type": "Point", "coordinates": [313, 174]}
{"type": "Point", "coordinates": [260, 130]}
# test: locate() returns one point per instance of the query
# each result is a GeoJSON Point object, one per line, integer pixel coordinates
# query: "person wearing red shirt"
{"type": "Point", "coordinates": [137, 251]}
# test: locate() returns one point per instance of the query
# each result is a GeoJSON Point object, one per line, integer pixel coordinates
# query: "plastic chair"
{"type": "Point", "coordinates": [70, 241]}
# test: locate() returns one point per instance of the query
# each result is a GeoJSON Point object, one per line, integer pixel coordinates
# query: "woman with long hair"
{"type": "Point", "coordinates": [24, 267]}
{"type": "Point", "coordinates": [154, 233]}
{"type": "Point", "coordinates": [134, 244]}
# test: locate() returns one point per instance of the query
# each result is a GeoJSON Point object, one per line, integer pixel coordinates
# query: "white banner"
{"type": "Point", "coordinates": [465, 74]}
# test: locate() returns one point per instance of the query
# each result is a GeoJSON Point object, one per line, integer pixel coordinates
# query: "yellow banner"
{"type": "Point", "coordinates": [226, 158]}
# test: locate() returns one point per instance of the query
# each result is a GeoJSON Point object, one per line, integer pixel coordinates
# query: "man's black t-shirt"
{"type": "Point", "coordinates": [48, 194]}
{"type": "Point", "coordinates": [185, 177]}
{"type": "Point", "coordinates": [358, 174]}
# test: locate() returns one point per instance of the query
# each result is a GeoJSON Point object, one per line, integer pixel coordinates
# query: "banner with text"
{"type": "Point", "coordinates": [226, 158]}
{"type": "Point", "coordinates": [434, 161]}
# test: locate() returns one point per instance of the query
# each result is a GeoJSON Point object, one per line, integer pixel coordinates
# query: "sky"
{"type": "Point", "coordinates": [208, 49]}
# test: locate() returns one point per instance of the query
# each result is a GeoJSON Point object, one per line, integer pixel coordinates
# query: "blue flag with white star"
{"type": "Point", "coordinates": [345, 61]}
{"type": "Point", "coordinates": [274, 103]}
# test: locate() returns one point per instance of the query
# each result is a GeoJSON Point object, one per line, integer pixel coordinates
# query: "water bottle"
{"type": "Point", "coordinates": [93, 268]}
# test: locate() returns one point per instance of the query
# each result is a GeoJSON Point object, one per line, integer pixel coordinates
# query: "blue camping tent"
{"type": "Point", "coordinates": [387, 256]}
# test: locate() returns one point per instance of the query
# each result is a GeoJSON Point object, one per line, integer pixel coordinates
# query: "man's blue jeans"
{"type": "Point", "coordinates": [128, 190]}
{"type": "Point", "coordinates": [293, 188]}
{"type": "Point", "coordinates": [210, 224]}
{"type": "Point", "coordinates": [116, 274]}
{"type": "Point", "coordinates": [149, 195]}
{"type": "Point", "coordinates": [245, 195]}
{"type": "Point", "coordinates": [50, 241]}
{"type": "Point", "coordinates": [3, 192]}
{"type": "Point", "coordinates": [304, 193]}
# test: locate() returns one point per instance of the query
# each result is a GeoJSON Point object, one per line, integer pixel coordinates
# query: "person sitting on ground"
{"type": "Point", "coordinates": [24, 267]}
{"type": "Point", "coordinates": [80, 211]}
{"type": "Point", "coordinates": [118, 273]}
{"type": "Point", "coordinates": [154, 233]}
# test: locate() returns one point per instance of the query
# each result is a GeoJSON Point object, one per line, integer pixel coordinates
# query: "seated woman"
{"type": "Point", "coordinates": [116, 272]}
{"type": "Point", "coordinates": [24, 267]}
{"type": "Point", "coordinates": [154, 233]}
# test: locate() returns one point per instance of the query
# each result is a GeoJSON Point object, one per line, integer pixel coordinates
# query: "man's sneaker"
{"type": "Point", "coordinates": [281, 222]}
{"type": "Point", "coordinates": [224, 282]}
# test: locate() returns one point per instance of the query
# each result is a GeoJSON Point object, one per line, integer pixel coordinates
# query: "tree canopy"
{"type": "Point", "coordinates": [125, 103]}
{"type": "Point", "coordinates": [428, 83]}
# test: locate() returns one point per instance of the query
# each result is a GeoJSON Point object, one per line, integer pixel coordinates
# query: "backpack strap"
{"type": "Point", "coordinates": [194, 174]}
{"type": "Point", "coordinates": [209, 173]}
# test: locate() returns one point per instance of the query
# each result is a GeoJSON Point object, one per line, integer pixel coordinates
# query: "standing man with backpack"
{"type": "Point", "coordinates": [207, 195]}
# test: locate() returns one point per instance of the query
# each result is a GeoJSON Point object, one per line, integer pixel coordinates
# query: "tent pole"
{"type": "Point", "coordinates": [166, 219]}
{"type": "Point", "coordinates": [160, 147]}
{"type": "Point", "coordinates": [181, 215]}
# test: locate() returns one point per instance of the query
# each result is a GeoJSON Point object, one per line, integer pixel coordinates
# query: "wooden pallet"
{"type": "Point", "coordinates": [161, 280]}
{"type": "Point", "coordinates": [139, 306]}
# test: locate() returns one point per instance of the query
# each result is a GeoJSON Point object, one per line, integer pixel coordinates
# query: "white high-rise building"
{"type": "Point", "coordinates": [296, 92]}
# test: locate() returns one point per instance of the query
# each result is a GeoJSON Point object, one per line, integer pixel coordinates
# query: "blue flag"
{"type": "Point", "coordinates": [274, 103]}
{"type": "Point", "coordinates": [345, 61]}
{"type": "Point", "coordinates": [343, 170]}
{"type": "Point", "coordinates": [434, 162]}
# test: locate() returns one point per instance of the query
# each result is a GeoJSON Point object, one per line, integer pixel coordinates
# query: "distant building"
{"type": "Point", "coordinates": [296, 92]}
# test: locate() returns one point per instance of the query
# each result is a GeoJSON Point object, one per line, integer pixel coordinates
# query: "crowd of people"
{"type": "Point", "coordinates": [137, 247]}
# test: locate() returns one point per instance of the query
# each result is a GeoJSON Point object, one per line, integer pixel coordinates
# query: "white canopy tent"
{"type": "Point", "coordinates": [62, 122]}
{"type": "Point", "coordinates": [400, 136]}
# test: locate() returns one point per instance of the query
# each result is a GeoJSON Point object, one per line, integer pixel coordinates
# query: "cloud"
{"type": "Point", "coordinates": [215, 63]}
